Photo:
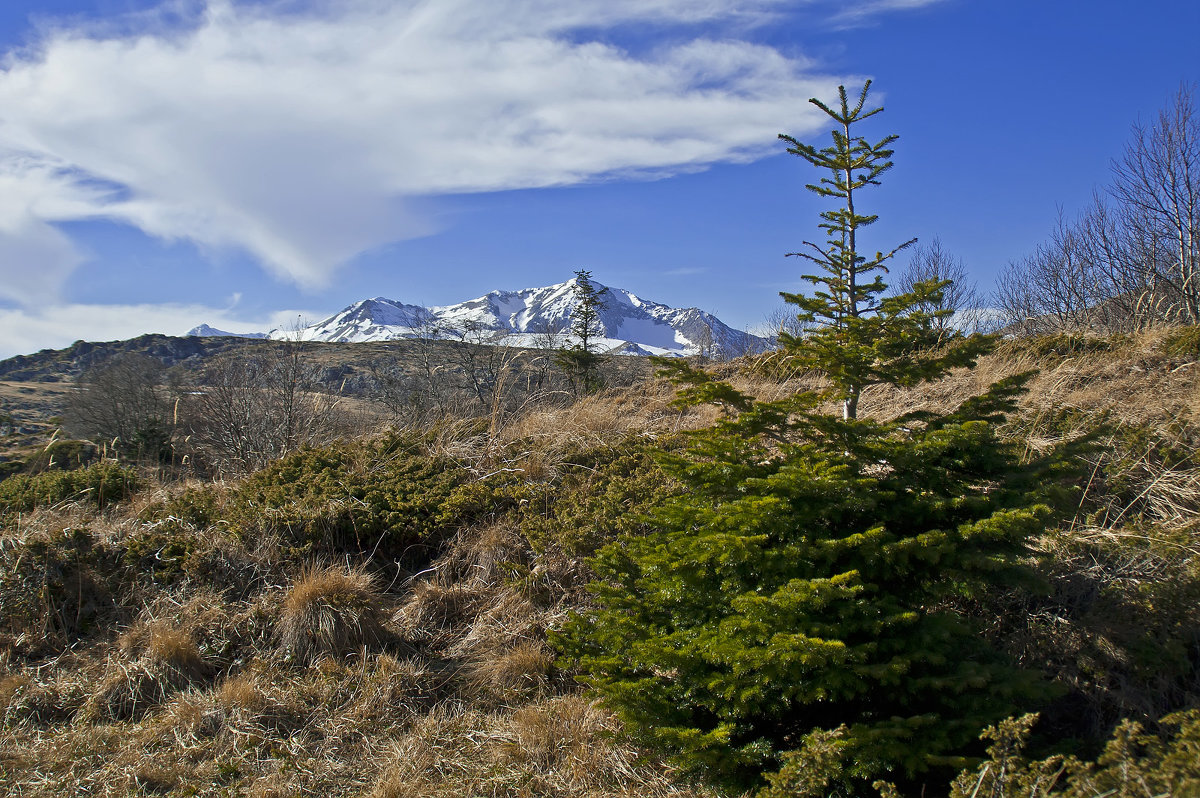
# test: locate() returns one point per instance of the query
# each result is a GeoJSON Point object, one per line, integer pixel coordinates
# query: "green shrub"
{"type": "Point", "coordinates": [56, 586]}
{"type": "Point", "coordinates": [99, 485]}
{"type": "Point", "coordinates": [1063, 345]}
{"type": "Point", "coordinates": [1182, 342]}
{"type": "Point", "coordinates": [602, 494]}
{"type": "Point", "coordinates": [63, 456]}
{"type": "Point", "coordinates": [1134, 764]}
{"type": "Point", "coordinates": [199, 508]}
{"type": "Point", "coordinates": [160, 550]}
{"type": "Point", "coordinates": [384, 497]}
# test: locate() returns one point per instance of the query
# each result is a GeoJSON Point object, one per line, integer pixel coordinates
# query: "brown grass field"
{"type": "Point", "coordinates": [175, 644]}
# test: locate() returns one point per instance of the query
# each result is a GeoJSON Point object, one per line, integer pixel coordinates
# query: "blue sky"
{"type": "Point", "coordinates": [245, 164]}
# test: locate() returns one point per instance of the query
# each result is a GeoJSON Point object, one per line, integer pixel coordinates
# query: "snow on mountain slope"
{"type": "Point", "coordinates": [376, 319]}
{"type": "Point", "coordinates": [205, 331]}
{"type": "Point", "coordinates": [529, 317]}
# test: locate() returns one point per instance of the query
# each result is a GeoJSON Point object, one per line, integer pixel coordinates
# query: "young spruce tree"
{"type": "Point", "coordinates": [796, 596]}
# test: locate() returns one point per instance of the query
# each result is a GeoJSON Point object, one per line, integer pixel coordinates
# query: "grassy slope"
{"type": "Point", "coordinates": [210, 639]}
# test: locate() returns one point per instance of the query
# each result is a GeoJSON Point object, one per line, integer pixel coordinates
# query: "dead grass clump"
{"type": "Point", "coordinates": [484, 555]}
{"type": "Point", "coordinates": [502, 618]}
{"type": "Point", "coordinates": [330, 612]}
{"type": "Point", "coordinates": [239, 694]}
{"type": "Point", "coordinates": [433, 609]}
{"type": "Point", "coordinates": [519, 671]}
{"type": "Point", "coordinates": [393, 690]}
{"type": "Point", "coordinates": [557, 735]}
{"type": "Point", "coordinates": [44, 701]}
{"type": "Point", "coordinates": [156, 659]}
{"type": "Point", "coordinates": [563, 747]}
{"type": "Point", "coordinates": [9, 687]}
{"type": "Point", "coordinates": [162, 644]}
{"type": "Point", "coordinates": [547, 434]}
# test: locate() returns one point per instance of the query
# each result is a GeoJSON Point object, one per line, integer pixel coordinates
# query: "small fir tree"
{"type": "Point", "coordinates": [579, 358]}
{"type": "Point", "coordinates": [855, 334]}
{"type": "Point", "coordinates": [801, 583]}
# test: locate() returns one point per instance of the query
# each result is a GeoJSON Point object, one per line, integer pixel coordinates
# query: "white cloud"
{"type": "Point", "coordinates": [56, 326]}
{"type": "Point", "coordinates": [303, 136]}
{"type": "Point", "coordinates": [853, 14]}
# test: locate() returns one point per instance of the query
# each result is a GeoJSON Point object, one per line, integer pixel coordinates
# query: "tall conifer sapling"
{"type": "Point", "coordinates": [798, 591]}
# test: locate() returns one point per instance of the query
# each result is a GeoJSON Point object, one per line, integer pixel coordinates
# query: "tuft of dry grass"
{"type": "Point", "coordinates": [433, 609]}
{"type": "Point", "coordinates": [330, 612]}
{"type": "Point", "coordinates": [563, 747]}
{"type": "Point", "coordinates": [10, 685]}
{"type": "Point", "coordinates": [154, 661]}
{"type": "Point", "coordinates": [509, 674]}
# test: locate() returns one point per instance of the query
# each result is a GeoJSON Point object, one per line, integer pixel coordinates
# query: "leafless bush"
{"type": "Point", "coordinates": [961, 297]}
{"type": "Point", "coordinates": [124, 405]}
{"type": "Point", "coordinates": [1157, 180]}
{"type": "Point", "coordinates": [244, 411]}
{"type": "Point", "coordinates": [1053, 289]}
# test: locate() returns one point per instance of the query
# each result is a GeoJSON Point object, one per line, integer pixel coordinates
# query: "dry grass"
{"type": "Point", "coordinates": [433, 609]}
{"type": "Point", "coordinates": [331, 612]}
{"type": "Point", "coordinates": [561, 747]}
{"type": "Point", "coordinates": [154, 660]}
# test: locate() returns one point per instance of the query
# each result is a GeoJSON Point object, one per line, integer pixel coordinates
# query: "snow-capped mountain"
{"type": "Point", "coordinates": [538, 317]}
{"type": "Point", "coordinates": [205, 331]}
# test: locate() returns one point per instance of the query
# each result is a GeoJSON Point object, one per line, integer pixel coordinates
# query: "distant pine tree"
{"type": "Point", "coordinates": [579, 359]}
{"type": "Point", "coordinates": [800, 584]}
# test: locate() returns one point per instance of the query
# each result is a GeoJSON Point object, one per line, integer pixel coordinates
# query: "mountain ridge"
{"type": "Point", "coordinates": [531, 317]}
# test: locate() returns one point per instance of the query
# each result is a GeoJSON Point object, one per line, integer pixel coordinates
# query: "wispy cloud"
{"type": "Point", "coordinates": [304, 136]}
{"type": "Point", "coordinates": [852, 14]}
{"type": "Point", "coordinates": [685, 271]}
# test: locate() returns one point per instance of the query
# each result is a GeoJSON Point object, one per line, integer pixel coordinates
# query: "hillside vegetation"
{"type": "Point", "coordinates": [370, 617]}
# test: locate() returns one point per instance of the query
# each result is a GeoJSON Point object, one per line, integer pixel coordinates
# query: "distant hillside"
{"type": "Point", "coordinates": [57, 365]}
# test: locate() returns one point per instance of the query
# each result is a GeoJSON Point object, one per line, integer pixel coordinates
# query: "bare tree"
{"type": "Point", "coordinates": [1131, 259]}
{"type": "Point", "coordinates": [1158, 180]}
{"type": "Point", "coordinates": [548, 337]}
{"type": "Point", "coordinates": [123, 405]}
{"type": "Point", "coordinates": [783, 319]}
{"type": "Point", "coordinates": [485, 362]}
{"type": "Point", "coordinates": [1055, 288]}
{"type": "Point", "coordinates": [961, 296]}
